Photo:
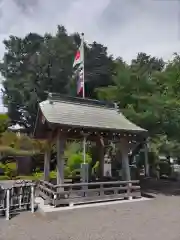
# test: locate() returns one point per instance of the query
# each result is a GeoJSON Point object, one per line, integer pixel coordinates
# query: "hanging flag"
{"type": "Point", "coordinates": [80, 83]}
{"type": "Point", "coordinates": [79, 56]}
{"type": "Point", "coordinates": [79, 70]}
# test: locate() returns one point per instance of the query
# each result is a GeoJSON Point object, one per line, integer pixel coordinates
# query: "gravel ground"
{"type": "Point", "coordinates": [157, 219]}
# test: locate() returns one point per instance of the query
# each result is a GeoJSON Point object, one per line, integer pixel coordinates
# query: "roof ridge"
{"type": "Point", "coordinates": [83, 101]}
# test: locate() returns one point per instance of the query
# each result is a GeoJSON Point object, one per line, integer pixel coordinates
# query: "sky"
{"type": "Point", "coordinates": [126, 27]}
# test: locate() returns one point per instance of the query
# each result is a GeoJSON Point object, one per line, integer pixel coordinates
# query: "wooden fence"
{"type": "Point", "coordinates": [18, 197]}
{"type": "Point", "coordinates": [70, 194]}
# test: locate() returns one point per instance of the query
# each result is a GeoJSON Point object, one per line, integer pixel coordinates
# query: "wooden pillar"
{"type": "Point", "coordinates": [146, 162]}
{"type": "Point", "coordinates": [100, 149]}
{"type": "Point", "coordinates": [47, 158]}
{"type": "Point", "coordinates": [125, 159]}
{"type": "Point", "coordinates": [60, 145]}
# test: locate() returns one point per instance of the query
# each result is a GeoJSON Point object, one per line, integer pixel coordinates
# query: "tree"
{"type": "Point", "coordinates": [35, 65]}
{"type": "Point", "coordinates": [17, 72]}
{"type": "Point", "coordinates": [147, 93]}
{"type": "Point", "coordinates": [99, 68]}
{"type": "Point", "coordinates": [147, 64]}
{"type": "Point", "coordinates": [31, 67]}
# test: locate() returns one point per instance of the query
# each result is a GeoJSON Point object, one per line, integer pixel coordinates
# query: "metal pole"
{"type": "Point", "coordinates": [84, 140]}
{"type": "Point", "coordinates": [84, 165]}
{"type": "Point", "coordinates": [84, 149]}
{"type": "Point", "coordinates": [82, 39]}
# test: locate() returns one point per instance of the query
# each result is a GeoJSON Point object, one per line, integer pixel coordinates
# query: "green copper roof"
{"type": "Point", "coordinates": [86, 113]}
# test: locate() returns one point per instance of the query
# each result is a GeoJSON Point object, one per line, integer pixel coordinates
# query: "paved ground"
{"type": "Point", "coordinates": [157, 219]}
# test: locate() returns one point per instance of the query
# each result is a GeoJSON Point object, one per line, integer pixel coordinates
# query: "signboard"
{"type": "Point", "coordinates": [84, 172]}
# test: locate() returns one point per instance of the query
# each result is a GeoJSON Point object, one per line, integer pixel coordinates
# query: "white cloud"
{"type": "Point", "coordinates": [126, 27]}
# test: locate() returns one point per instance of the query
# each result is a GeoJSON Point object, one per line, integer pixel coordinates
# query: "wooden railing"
{"type": "Point", "coordinates": [70, 194]}
{"type": "Point", "coordinates": [18, 197]}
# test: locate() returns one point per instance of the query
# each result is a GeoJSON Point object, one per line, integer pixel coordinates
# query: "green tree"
{"type": "Point", "coordinates": [144, 64]}
{"type": "Point", "coordinates": [147, 93]}
{"type": "Point", "coordinates": [99, 68]}
{"type": "Point", "coordinates": [31, 67]}
{"type": "Point", "coordinates": [35, 65]}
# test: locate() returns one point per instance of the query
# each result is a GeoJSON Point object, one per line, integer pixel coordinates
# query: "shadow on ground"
{"type": "Point", "coordinates": [165, 187]}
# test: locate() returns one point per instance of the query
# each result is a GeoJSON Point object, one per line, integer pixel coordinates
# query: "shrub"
{"type": "Point", "coordinates": [37, 175]}
{"type": "Point", "coordinates": [2, 166]}
{"type": "Point", "coordinates": [67, 172]}
{"type": "Point", "coordinates": [74, 161]}
{"type": "Point", "coordinates": [53, 175]}
{"type": "Point", "coordinates": [10, 170]}
{"type": "Point", "coordinates": [72, 148]}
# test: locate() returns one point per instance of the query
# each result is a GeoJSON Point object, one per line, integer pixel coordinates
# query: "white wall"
{"type": "Point", "coordinates": [2, 108]}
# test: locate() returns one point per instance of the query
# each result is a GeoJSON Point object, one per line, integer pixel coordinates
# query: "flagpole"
{"type": "Point", "coordinates": [83, 95]}
{"type": "Point", "coordinates": [79, 58]}
{"type": "Point", "coordinates": [82, 39]}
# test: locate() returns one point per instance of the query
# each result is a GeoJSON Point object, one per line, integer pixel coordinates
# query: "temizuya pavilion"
{"type": "Point", "coordinates": [60, 118]}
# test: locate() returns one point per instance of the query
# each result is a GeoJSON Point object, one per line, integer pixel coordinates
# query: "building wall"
{"type": "Point", "coordinates": [2, 108]}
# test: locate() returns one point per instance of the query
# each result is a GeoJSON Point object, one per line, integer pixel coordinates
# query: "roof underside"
{"type": "Point", "coordinates": [86, 114]}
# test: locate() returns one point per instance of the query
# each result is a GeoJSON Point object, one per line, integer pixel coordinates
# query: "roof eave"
{"type": "Point", "coordinates": [99, 129]}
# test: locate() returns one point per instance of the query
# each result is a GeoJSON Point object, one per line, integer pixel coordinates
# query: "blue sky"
{"type": "Point", "coordinates": [126, 27]}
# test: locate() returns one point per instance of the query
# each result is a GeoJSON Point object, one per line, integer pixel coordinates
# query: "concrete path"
{"type": "Point", "coordinates": [157, 219]}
